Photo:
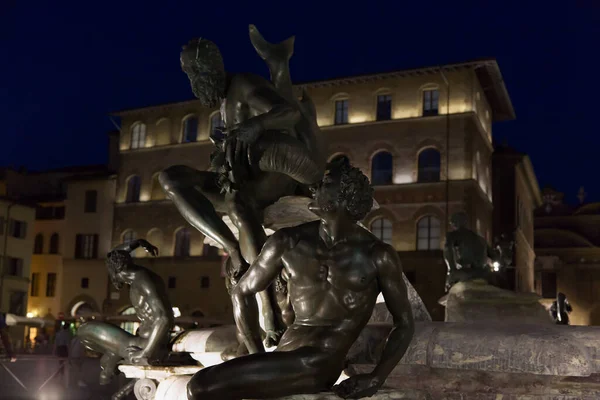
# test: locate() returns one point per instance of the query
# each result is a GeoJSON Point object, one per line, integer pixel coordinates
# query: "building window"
{"type": "Point", "coordinates": [429, 165]}
{"type": "Point", "coordinates": [216, 125]}
{"type": "Point", "coordinates": [382, 168]}
{"type": "Point", "coordinates": [182, 243]}
{"type": "Point", "coordinates": [384, 107]}
{"type": "Point", "coordinates": [85, 283]}
{"type": "Point", "coordinates": [46, 213]}
{"type": "Point", "coordinates": [15, 266]}
{"type": "Point", "coordinates": [130, 327]}
{"type": "Point", "coordinates": [341, 112]}
{"type": "Point", "coordinates": [172, 282]}
{"type": "Point", "coordinates": [17, 303]}
{"type": "Point", "coordinates": [129, 236]}
{"type": "Point", "coordinates": [138, 136]}
{"type": "Point", "coordinates": [549, 289]}
{"type": "Point", "coordinates": [134, 184]}
{"type": "Point", "coordinates": [209, 251]}
{"type": "Point", "coordinates": [190, 129]}
{"type": "Point", "coordinates": [35, 285]}
{"type": "Point", "coordinates": [18, 229]}
{"type": "Point", "coordinates": [382, 229]}
{"type": "Point", "coordinates": [54, 242]}
{"type": "Point", "coordinates": [59, 212]}
{"type": "Point", "coordinates": [38, 244]}
{"type": "Point", "coordinates": [86, 246]}
{"type": "Point", "coordinates": [91, 199]}
{"type": "Point", "coordinates": [205, 282]}
{"type": "Point", "coordinates": [428, 233]}
{"type": "Point", "coordinates": [430, 102]}
{"type": "Point", "coordinates": [50, 284]}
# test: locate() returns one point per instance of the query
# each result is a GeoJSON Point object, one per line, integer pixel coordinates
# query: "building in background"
{"type": "Point", "coordinates": [423, 136]}
{"type": "Point", "coordinates": [70, 236]}
{"type": "Point", "coordinates": [16, 243]}
{"type": "Point", "coordinates": [516, 195]}
{"type": "Point", "coordinates": [567, 244]}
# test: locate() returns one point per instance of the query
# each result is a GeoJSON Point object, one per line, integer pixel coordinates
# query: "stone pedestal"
{"type": "Point", "coordinates": [477, 301]}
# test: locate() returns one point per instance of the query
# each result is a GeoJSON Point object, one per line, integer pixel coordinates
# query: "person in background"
{"type": "Point", "coordinates": [61, 346]}
{"type": "Point", "coordinates": [76, 360]}
{"type": "Point", "coordinates": [5, 337]}
{"type": "Point", "coordinates": [560, 310]}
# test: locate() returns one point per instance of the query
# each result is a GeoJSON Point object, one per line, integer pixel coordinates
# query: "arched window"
{"type": "Point", "coordinates": [428, 233]}
{"type": "Point", "coordinates": [429, 165]}
{"type": "Point", "coordinates": [128, 236]}
{"type": "Point", "coordinates": [216, 124]}
{"type": "Point", "coordinates": [54, 242]}
{"type": "Point", "coordinates": [38, 244]}
{"type": "Point", "coordinates": [156, 192]}
{"type": "Point", "coordinates": [382, 228]}
{"type": "Point", "coordinates": [134, 184]}
{"type": "Point", "coordinates": [339, 157]}
{"type": "Point", "coordinates": [382, 166]}
{"type": "Point", "coordinates": [156, 237]}
{"type": "Point", "coordinates": [138, 136]}
{"type": "Point", "coordinates": [182, 243]}
{"type": "Point", "coordinates": [190, 129]}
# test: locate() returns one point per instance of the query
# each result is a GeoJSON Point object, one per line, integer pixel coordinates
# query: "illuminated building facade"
{"type": "Point", "coordinates": [423, 136]}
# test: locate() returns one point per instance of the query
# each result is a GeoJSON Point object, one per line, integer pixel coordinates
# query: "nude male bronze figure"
{"type": "Point", "coordinates": [271, 149]}
{"type": "Point", "coordinates": [148, 296]}
{"type": "Point", "coordinates": [336, 269]}
{"type": "Point", "coordinates": [466, 253]}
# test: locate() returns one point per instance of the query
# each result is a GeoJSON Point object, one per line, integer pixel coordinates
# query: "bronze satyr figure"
{"type": "Point", "coordinates": [271, 149]}
{"type": "Point", "coordinates": [466, 253]}
{"type": "Point", "coordinates": [335, 271]}
{"type": "Point", "coordinates": [148, 296]}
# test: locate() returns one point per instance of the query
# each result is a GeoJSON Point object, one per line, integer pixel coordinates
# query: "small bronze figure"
{"type": "Point", "coordinates": [272, 148]}
{"type": "Point", "coordinates": [148, 296]}
{"type": "Point", "coordinates": [560, 310]}
{"type": "Point", "coordinates": [466, 253]}
{"type": "Point", "coordinates": [336, 270]}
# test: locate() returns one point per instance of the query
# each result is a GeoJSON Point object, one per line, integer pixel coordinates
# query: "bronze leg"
{"type": "Point", "coordinates": [197, 197]}
{"type": "Point", "coordinates": [267, 375]}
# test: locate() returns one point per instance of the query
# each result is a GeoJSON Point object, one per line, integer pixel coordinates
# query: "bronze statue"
{"type": "Point", "coordinates": [560, 310]}
{"type": "Point", "coordinates": [271, 149]}
{"type": "Point", "coordinates": [466, 253]}
{"type": "Point", "coordinates": [148, 296]}
{"type": "Point", "coordinates": [335, 270]}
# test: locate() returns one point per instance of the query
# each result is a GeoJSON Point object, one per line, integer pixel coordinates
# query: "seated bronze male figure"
{"type": "Point", "coordinates": [335, 271]}
{"type": "Point", "coordinates": [272, 149]}
{"type": "Point", "coordinates": [467, 254]}
{"type": "Point", "coordinates": [149, 298]}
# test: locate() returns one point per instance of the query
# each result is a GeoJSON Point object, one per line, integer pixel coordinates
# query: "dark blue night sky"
{"type": "Point", "coordinates": [65, 68]}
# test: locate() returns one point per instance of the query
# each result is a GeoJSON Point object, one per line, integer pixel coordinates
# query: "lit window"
{"type": "Point", "coordinates": [382, 166]}
{"type": "Point", "coordinates": [134, 185]}
{"type": "Point", "coordinates": [429, 165]}
{"type": "Point", "coordinates": [138, 136]}
{"type": "Point", "coordinates": [382, 229]}
{"type": "Point", "coordinates": [428, 233]}
{"type": "Point", "coordinates": [129, 237]}
{"type": "Point", "coordinates": [182, 243]}
{"type": "Point", "coordinates": [384, 107]}
{"type": "Point", "coordinates": [190, 129]}
{"type": "Point", "coordinates": [341, 112]}
{"type": "Point", "coordinates": [431, 102]}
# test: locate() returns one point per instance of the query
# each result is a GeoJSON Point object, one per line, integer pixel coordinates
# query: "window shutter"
{"type": "Point", "coordinates": [78, 246]}
{"type": "Point", "coordinates": [95, 247]}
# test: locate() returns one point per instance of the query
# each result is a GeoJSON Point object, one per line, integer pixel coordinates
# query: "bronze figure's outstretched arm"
{"type": "Point", "coordinates": [263, 271]}
{"type": "Point", "coordinates": [131, 246]}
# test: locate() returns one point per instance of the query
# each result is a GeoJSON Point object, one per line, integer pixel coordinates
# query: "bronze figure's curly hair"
{"type": "Point", "coordinates": [355, 189]}
{"type": "Point", "coordinates": [201, 60]}
{"type": "Point", "coordinates": [117, 261]}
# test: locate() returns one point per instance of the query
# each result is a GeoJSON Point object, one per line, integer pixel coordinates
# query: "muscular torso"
{"type": "Point", "coordinates": [149, 299]}
{"type": "Point", "coordinates": [265, 187]}
{"type": "Point", "coordinates": [332, 290]}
